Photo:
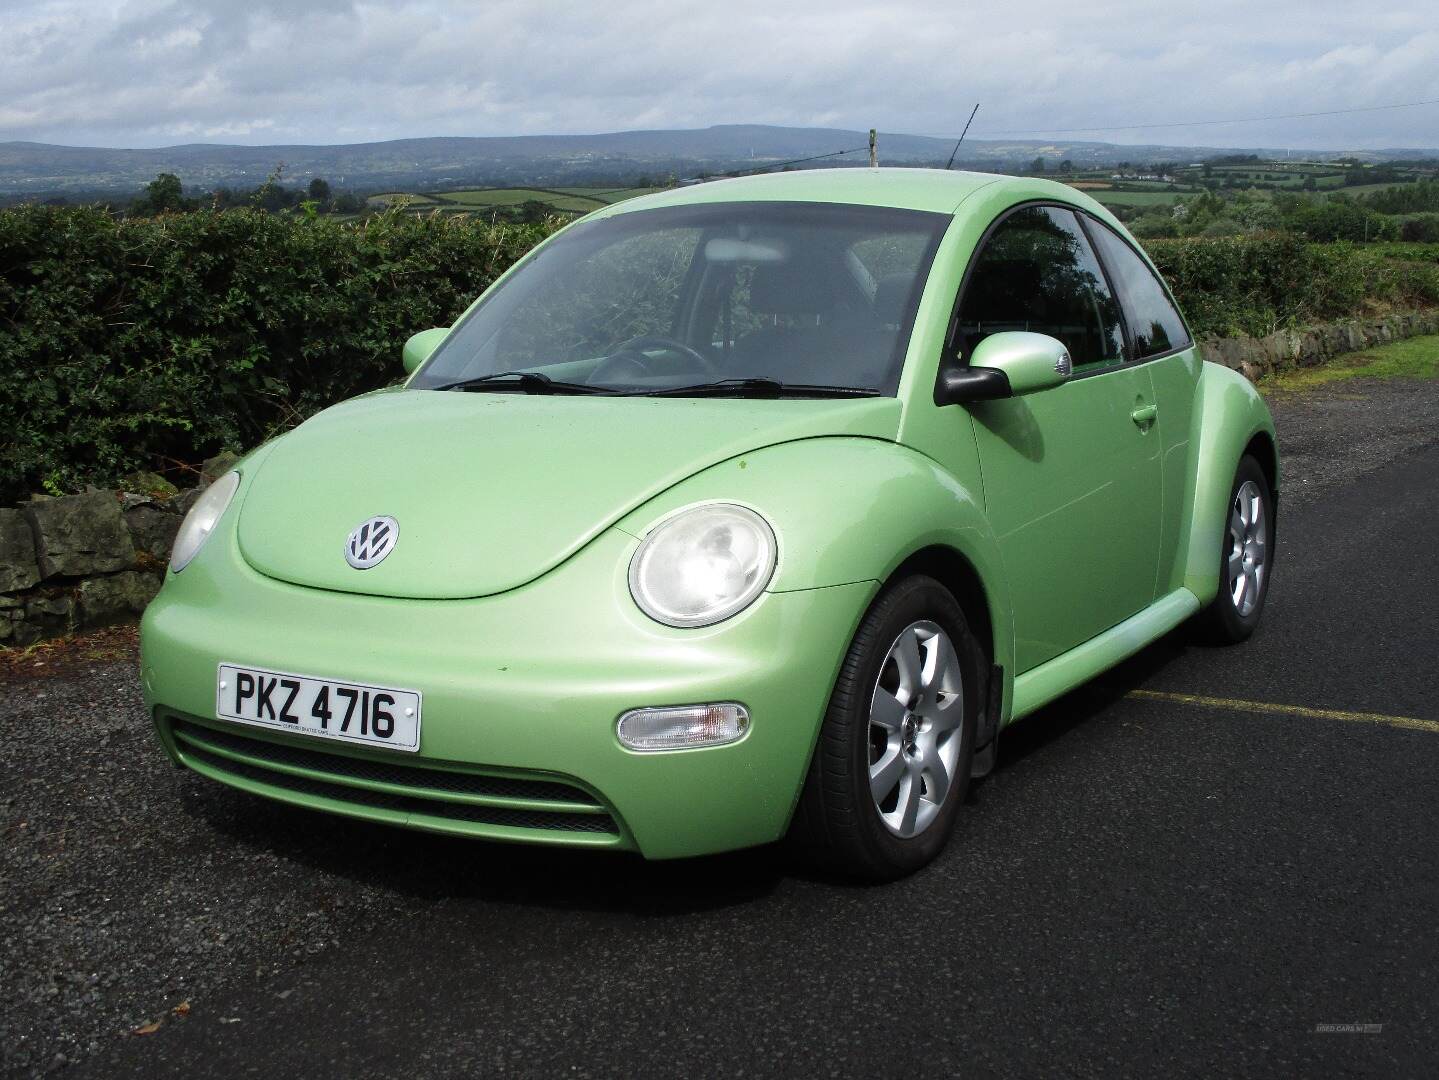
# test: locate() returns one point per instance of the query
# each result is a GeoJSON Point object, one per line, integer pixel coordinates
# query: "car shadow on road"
{"type": "Point", "coordinates": [432, 867]}
{"type": "Point", "coordinates": [1064, 714]}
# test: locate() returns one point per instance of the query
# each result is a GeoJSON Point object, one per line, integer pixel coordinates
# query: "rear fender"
{"type": "Point", "coordinates": [1231, 414]}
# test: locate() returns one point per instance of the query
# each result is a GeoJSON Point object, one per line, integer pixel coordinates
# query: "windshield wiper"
{"type": "Point", "coordinates": [762, 388]}
{"type": "Point", "coordinates": [528, 382]}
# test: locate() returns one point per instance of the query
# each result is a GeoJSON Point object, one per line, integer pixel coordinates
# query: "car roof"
{"type": "Point", "coordinates": [935, 190]}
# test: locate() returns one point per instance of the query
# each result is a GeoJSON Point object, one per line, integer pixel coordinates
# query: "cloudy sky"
{"type": "Point", "coordinates": [157, 72]}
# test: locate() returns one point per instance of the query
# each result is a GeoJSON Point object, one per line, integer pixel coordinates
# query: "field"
{"type": "Point", "coordinates": [1366, 189]}
{"type": "Point", "coordinates": [1139, 198]}
{"type": "Point", "coordinates": [1130, 190]}
{"type": "Point", "coordinates": [568, 200]}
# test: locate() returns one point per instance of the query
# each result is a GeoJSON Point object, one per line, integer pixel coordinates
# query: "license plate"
{"type": "Point", "coordinates": [347, 711]}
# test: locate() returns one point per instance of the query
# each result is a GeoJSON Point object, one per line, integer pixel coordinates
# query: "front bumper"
{"type": "Point", "coordinates": [521, 695]}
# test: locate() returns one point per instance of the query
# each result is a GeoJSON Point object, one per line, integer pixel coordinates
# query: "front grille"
{"type": "Point", "coordinates": [198, 743]}
{"type": "Point", "coordinates": [386, 772]}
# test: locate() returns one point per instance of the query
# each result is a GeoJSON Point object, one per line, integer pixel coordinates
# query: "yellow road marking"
{"type": "Point", "coordinates": [1408, 722]}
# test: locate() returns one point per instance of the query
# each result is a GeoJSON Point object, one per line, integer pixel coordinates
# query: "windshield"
{"type": "Point", "coordinates": [659, 300]}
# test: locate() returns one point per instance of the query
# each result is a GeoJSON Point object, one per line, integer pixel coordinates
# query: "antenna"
{"type": "Point", "coordinates": [962, 134]}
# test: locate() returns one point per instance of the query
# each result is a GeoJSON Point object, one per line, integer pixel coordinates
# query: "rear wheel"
{"type": "Point", "coordinates": [1246, 558]}
{"type": "Point", "coordinates": [893, 759]}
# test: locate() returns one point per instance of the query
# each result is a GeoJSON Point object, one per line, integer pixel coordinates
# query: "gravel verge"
{"type": "Point", "coordinates": [129, 888]}
{"type": "Point", "coordinates": [1332, 435]}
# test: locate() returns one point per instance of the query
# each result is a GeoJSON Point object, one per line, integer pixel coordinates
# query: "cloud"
{"type": "Point", "coordinates": [152, 72]}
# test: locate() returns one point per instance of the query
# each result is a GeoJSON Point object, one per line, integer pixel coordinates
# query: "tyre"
{"type": "Point", "coordinates": [892, 762]}
{"type": "Point", "coordinates": [1246, 558]}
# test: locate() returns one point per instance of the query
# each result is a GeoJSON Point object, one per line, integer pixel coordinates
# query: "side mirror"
{"type": "Point", "coordinates": [417, 350]}
{"type": "Point", "coordinates": [1006, 365]}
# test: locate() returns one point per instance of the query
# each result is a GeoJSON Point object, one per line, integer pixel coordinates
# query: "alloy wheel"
{"type": "Point", "coordinates": [915, 728]}
{"type": "Point", "coordinates": [1247, 551]}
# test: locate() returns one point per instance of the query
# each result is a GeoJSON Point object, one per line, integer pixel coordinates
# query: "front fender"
{"type": "Point", "coordinates": [849, 510]}
{"type": "Point", "coordinates": [1229, 415]}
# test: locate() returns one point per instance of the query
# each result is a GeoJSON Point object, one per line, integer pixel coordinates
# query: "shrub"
{"type": "Point", "coordinates": [1338, 218]}
{"type": "Point", "coordinates": [1418, 197]}
{"type": "Point", "coordinates": [1257, 284]}
{"type": "Point", "coordinates": [136, 344]}
{"type": "Point", "coordinates": [1420, 229]}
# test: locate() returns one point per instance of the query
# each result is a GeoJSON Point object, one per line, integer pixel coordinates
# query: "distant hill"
{"type": "Point", "coordinates": [28, 168]}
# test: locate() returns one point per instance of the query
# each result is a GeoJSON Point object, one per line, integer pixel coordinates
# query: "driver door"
{"type": "Point", "coordinates": [1072, 480]}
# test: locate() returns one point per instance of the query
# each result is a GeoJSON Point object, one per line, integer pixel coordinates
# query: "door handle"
{"type": "Point", "coordinates": [1145, 415]}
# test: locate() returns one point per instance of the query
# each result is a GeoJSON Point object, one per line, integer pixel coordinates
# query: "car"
{"type": "Point", "coordinates": [745, 512]}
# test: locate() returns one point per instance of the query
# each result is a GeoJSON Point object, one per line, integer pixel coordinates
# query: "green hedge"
{"type": "Point", "coordinates": [143, 344]}
{"type": "Point", "coordinates": [139, 344]}
{"type": "Point", "coordinates": [1258, 284]}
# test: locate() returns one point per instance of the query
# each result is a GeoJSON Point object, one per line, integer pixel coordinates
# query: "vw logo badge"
{"type": "Point", "coordinates": [371, 542]}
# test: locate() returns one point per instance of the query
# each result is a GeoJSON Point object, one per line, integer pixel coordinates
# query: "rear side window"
{"type": "Point", "coordinates": [1153, 321]}
{"type": "Point", "coordinates": [1037, 272]}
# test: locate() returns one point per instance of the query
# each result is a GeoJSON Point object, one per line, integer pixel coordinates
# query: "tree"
{"type": "Point", "coordinates": [1037, 165]}
{"type": "Point", "coordinates": [1336, 218]}
{"type": "Point", "coordinates": [320, 190]}
{"type": "Point", "coordinates": [1255, 214]}
{"type": "Point", "coordinates": [162, 194]}
{"type": "Point", "coordinates": [1420, 229]}
{"type": "Point", "coordinates": [272, 195]}
{"type": "Point", "coordinates": [1066, 166]}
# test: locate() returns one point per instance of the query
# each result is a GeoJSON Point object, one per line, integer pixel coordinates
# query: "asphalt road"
{"type": "Point", "coordinates": [1146, 885]}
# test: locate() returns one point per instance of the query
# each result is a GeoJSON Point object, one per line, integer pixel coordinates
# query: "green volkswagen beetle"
{"type": "Point", "coordinates": [751, 510]}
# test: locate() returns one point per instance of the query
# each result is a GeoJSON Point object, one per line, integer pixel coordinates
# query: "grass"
{"type": "Point", "coordinates": [1139, 198]}
{"type": "Point", "coordinates": [1365, 189]}
{"type": "Point", "coordinates": [1407, 252]}
{"type": "Point", "coordinates": [608, 195]}
{"type": "Point", "coordinates": [1416, 358]}
{"type": "Point", "coordinates": [403, 199]}
{"type": "Point", "coordinates": [486, 197]}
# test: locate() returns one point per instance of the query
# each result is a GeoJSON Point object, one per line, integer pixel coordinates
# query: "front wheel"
{"type": "Point", "coordinates": [1246, 558]}
{"type": "Point", "coordinates": [893, 759]}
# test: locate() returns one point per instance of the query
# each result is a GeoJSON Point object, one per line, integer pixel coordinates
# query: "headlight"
{"type": "Point", "coordinates": [703, 565]}
{"type": "Point", "coordinates": [201, 520]}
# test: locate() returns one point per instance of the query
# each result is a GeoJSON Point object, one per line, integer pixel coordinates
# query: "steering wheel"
{"type": "Point", "coordinates": [631, 354]}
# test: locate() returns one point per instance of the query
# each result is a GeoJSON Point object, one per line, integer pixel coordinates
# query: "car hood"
{"type": "Point", "coordinates": [492, 490]}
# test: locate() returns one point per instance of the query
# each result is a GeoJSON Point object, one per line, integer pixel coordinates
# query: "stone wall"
{"type": "Point", "coordinates": [76, 562]}
{"type": "Point", "coordinates": [81, 561]}
{"type": "Point", "coordinates": [1286, 349]}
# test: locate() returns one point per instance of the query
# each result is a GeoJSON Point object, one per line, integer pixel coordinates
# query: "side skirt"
{"type": "Point", "coordinates": [1039, 686]}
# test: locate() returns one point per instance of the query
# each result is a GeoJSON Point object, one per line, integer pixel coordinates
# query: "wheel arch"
{"type": "Point", "coordinates": [1262, 449]}
{"type": "Point", "coordinates": [957, 573]}
{"type": "Point", "coordinates": [1230, 420]}
{"type": "Point", "coordinates": [952, 569]}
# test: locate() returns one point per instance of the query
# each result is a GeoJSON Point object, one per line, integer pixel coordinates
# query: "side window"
{"type": "Point", "coordinates": [1037, 272]}
{"type": "Point", "coordinates": [1156, 326]}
